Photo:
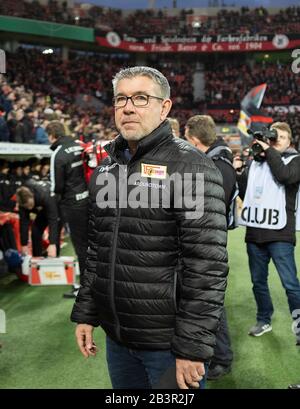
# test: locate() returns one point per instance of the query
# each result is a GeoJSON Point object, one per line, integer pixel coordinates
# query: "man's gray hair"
{"type": "Point", "coordinates": [149, 72]}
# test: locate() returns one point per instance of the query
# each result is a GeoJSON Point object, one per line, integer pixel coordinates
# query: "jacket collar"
{"type": "Point", "coordinates": [220, 148]}
{"type": "Point", "coordinates": [290, 151]}
{"type": "Point", "coordinates": [155, 138]}
{"type": "Point", "coordinates": [60, 141]}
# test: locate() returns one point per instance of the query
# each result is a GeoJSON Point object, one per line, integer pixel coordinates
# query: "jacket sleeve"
{"type": "Point", "coordinates": [242, 179]}
{"type": "Point", "coordinates": [203, 280]}
{"type": "Point", "coordinates": [285, 174]}
{"type": "Point", "coordinates": [229, 178]}
{"type": "Point", "coordinates": [84, 310]}
{"type": "Point", "coordinates": [57, 171]}
{"type": "Point", "coordinates": [24, 225]}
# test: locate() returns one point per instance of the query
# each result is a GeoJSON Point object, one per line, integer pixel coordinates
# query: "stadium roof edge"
{"type": "Point", "coordinates": [46, 29]}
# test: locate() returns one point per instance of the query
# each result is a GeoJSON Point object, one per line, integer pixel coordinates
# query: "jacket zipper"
{"type": "Point", "coordinates": [175, 291]}
{"type": "Point", "coordinates": [113, 264]}
{"type": "Point", "coordinates": [113, 261]}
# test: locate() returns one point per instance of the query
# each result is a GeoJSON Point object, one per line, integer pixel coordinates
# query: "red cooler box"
{"type": "Point", "coordinates": [52, 271]}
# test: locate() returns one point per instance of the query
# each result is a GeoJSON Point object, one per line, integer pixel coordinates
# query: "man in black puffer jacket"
{"type": "Point", "coordinates": [156, 271]}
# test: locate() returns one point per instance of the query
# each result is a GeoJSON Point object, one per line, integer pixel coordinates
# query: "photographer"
{"type": "Point", "coordinates": [269, 188]}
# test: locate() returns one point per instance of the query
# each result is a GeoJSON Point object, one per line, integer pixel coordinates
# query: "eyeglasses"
{"type": "Point", "coordinates": [139, 100]}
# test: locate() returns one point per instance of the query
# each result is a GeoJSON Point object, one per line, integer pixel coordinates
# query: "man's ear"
{"type": "Point", "coordinates": [166, 108]}
{"type": "Point", "coordinates": [193, 140]}
{"type": "Point", "coordinates": [51, 139]}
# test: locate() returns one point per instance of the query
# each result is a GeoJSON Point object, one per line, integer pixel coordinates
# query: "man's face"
{"type": "Point", "coordinates": [26, 170]}
{"type": "Point", "coordinates": [29, 205]}
{"type": "Point", "coordinates": [187, 134]}
{"type": "Point", "coordinates": [19, 171]}
{"type": "Point", "coordinates": [134, 123]}
{"type": "Point", "coordinates": [283, 141]}
{"type": "Point", "coordinates": [194, 140]}
{"type": "Point", "coordinates": [51, 139]}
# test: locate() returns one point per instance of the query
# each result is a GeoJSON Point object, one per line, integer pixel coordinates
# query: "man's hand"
{"type": "Point", "coordinates": [237, 162]}
{"type": "Point", "coordinates": [264, 145]}
{"type": "Point", "coordinates": [84, 337]}
{"type": "Point", "coordinates": [24, 250]}
{"type": "Point", "coordinates": [189, 373]}
{"type": "Point", "coordinates": [51, 250]}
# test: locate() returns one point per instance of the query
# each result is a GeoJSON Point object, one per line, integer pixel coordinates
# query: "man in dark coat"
{"type": "Point", "coordinates": [69, 185]}
{"type": "Point", "coordinates": [200, 131]}
{"type": "Point", "coordinates": [157, 263]}
{"type": "Point", "coordinates": [4, 131]}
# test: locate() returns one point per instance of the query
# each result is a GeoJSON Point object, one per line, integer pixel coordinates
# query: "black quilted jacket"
{"type": "Point", "coordinates": [67, 173]}
{"type": "Point", "coordinates": [155, 279]}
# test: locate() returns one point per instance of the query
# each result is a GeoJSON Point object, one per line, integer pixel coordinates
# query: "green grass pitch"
{"type": "Point", "coordinates": [39, 349]}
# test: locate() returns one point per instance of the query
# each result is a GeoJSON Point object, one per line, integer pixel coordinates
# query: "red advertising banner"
{"type": "Point", "coordinates": [205, 44]}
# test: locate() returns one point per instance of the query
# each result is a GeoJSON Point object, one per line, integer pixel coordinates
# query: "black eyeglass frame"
{"type": "Point", "coordinates": [132, 100]}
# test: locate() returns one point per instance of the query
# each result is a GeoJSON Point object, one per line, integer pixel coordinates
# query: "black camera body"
{"type": "Point", "coordinates": [265, 135]}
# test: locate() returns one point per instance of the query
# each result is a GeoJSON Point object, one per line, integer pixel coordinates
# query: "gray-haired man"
{"type": "Point", "coordinates": [155, 276]}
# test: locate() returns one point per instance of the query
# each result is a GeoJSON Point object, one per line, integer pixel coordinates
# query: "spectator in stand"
{"type": "Point", "coordinates": [41, 136]}
{"type": "Point", "coordinates": [4, 130]}
{"type": "Point", "coordinates": [7, 188]}
{"type": "Point", "coordinates": [28, 126]}
{"type": "Point", "coordinates": [19, 135]}
{"type": "Point", "coordinates": [159, 22]}
{"type": "Point", "coordinates": [84, 75]}
{"type": "Point", "coordinates": [12, 125]}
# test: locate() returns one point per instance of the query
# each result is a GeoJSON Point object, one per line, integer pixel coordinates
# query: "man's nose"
{"type": "Point", "coordinates": [129, 107]}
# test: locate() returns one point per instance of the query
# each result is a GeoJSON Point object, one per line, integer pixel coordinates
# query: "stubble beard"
{"type": "Point", "coordinates": [131, 136]}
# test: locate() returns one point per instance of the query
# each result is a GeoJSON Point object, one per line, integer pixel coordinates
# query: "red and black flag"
{"type": "Point", "coordinates": [251, 116]}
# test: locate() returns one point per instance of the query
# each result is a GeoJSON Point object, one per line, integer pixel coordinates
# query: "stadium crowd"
{"type": "Point", "coordinates": [158, 22]}
{"type": "Point", "coordinates": [78, 93]}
